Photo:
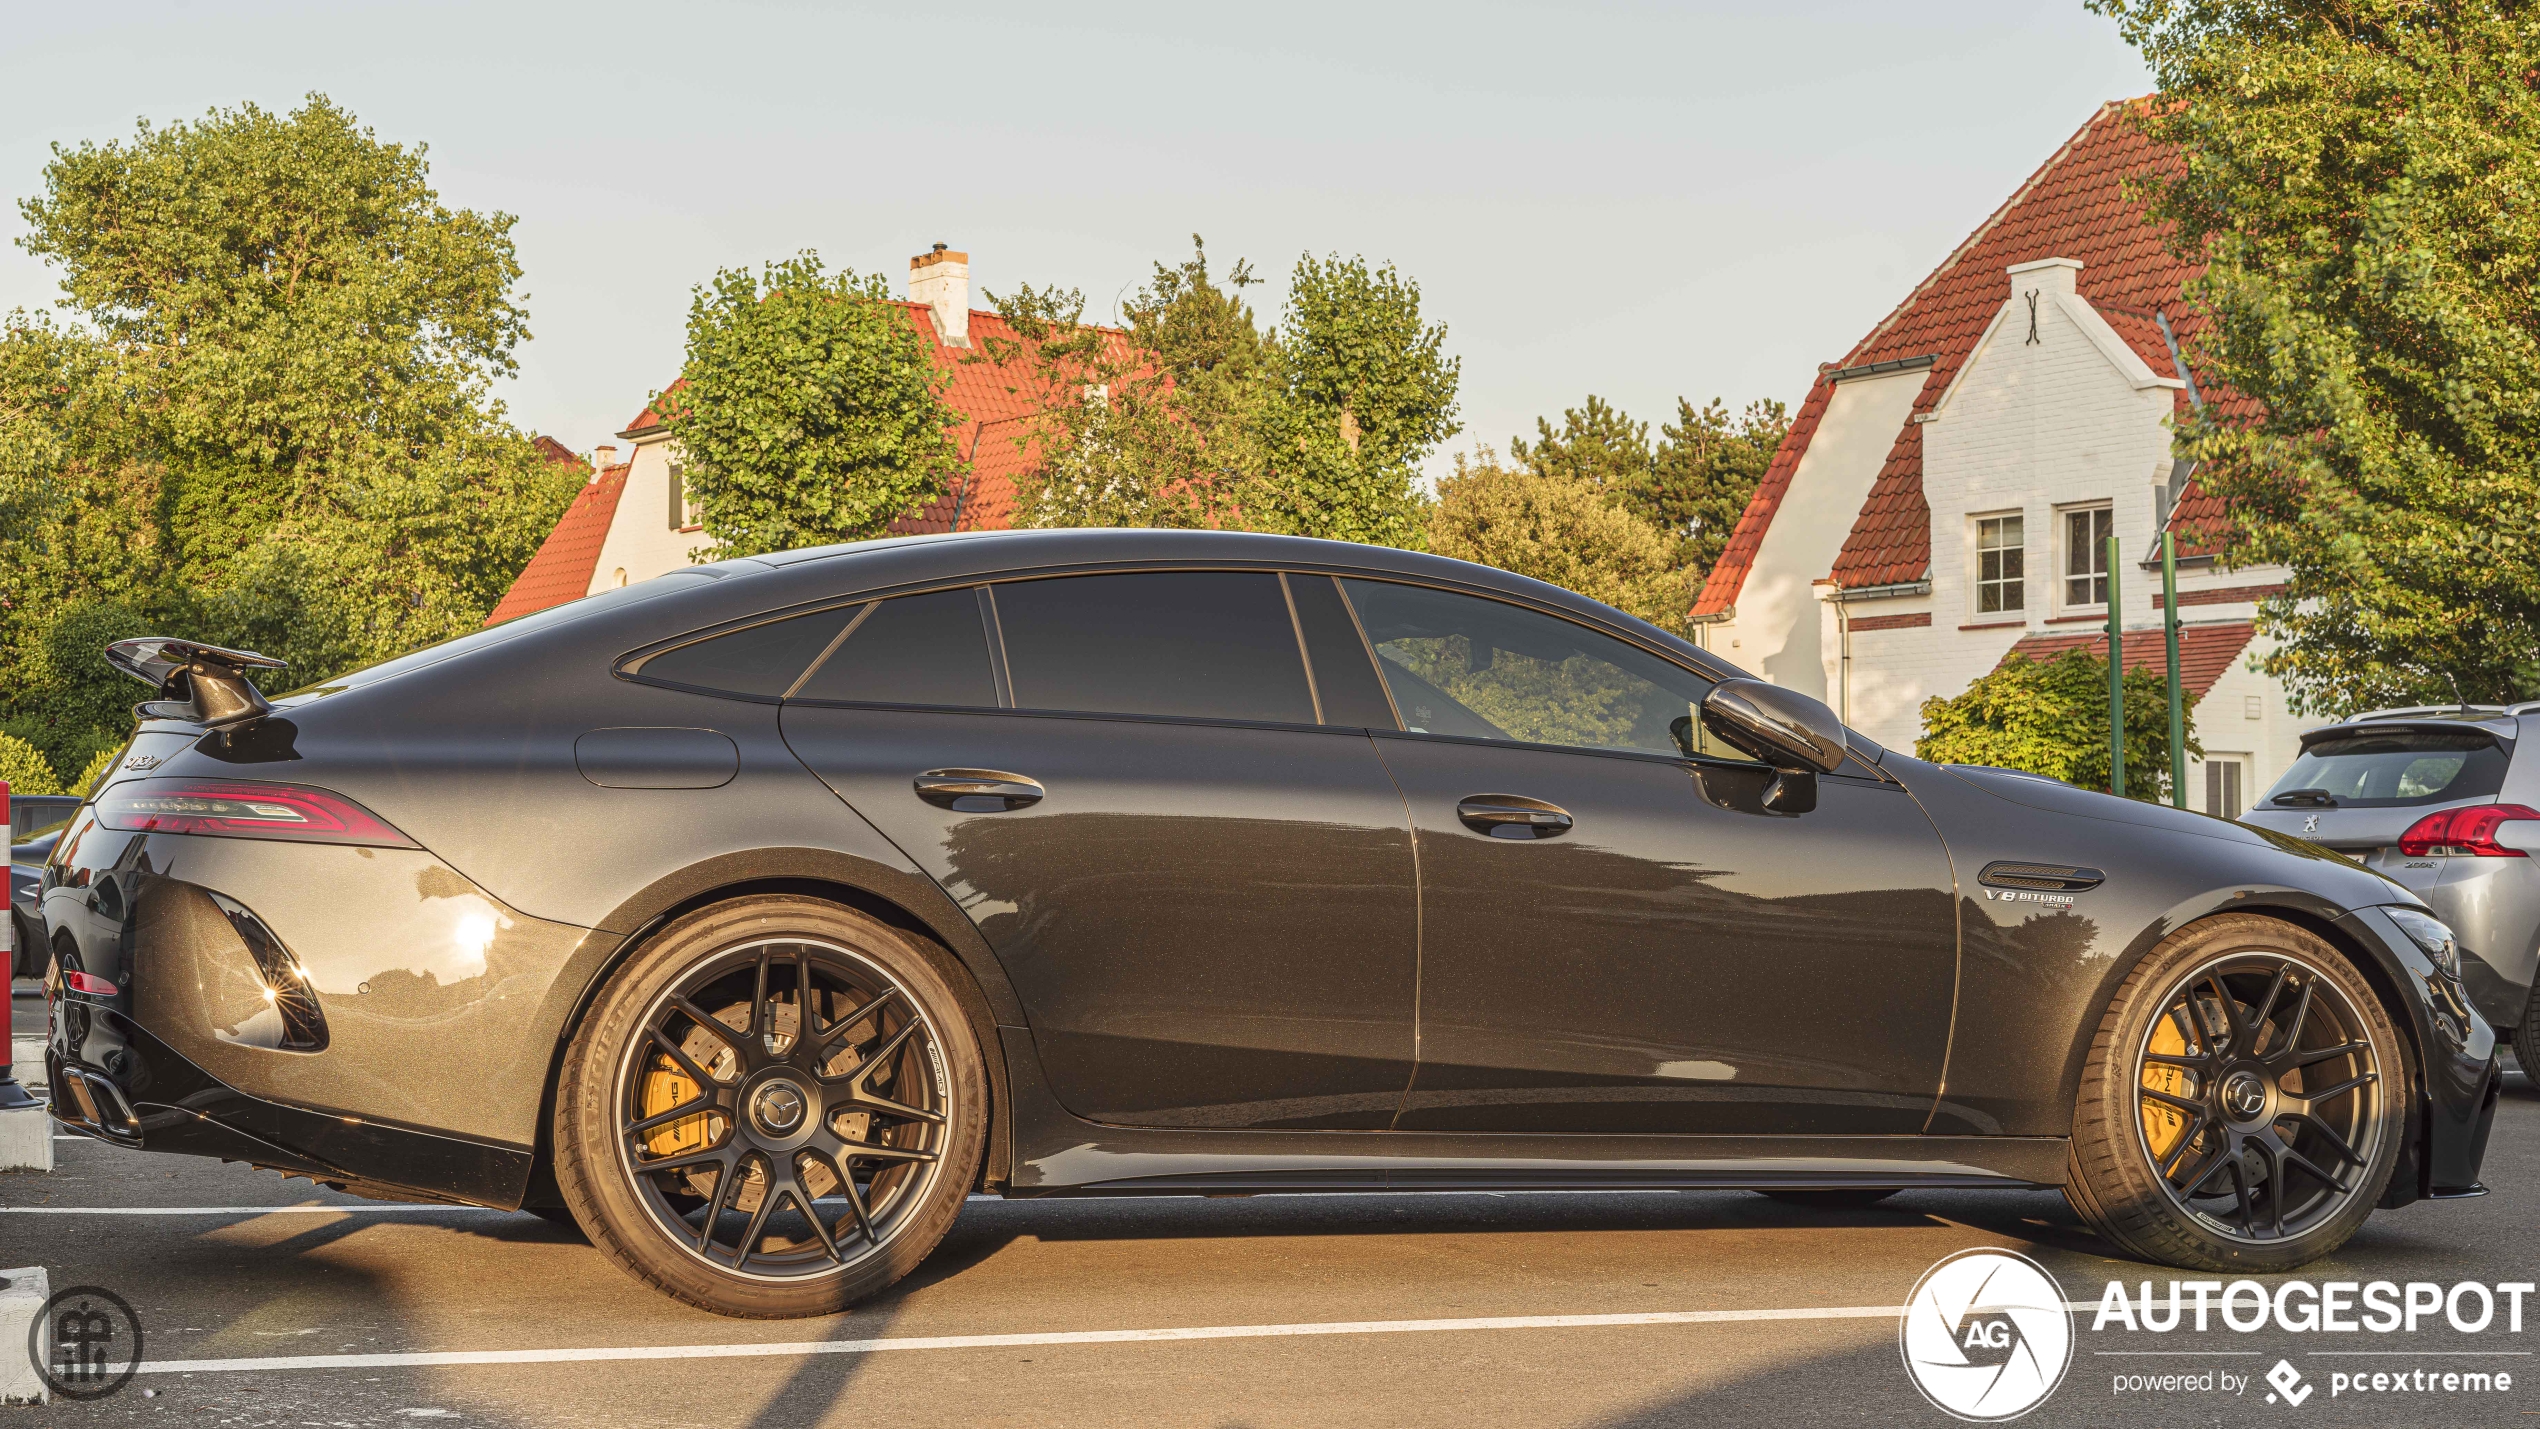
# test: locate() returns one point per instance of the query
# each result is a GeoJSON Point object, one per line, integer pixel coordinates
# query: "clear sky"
{"type": "Point", "coordinates": [1635, 200]}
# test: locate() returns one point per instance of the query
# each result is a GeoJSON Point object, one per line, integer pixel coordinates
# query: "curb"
{"type": "Point", "coordinates": [22, 1297]}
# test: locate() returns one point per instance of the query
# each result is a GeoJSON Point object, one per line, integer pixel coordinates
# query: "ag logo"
{"type": "Point", "coordinates": [1986, 1335]}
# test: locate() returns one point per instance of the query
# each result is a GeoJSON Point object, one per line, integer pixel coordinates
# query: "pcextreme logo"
{"type": "Point", "coordinates": [1986, 1335]}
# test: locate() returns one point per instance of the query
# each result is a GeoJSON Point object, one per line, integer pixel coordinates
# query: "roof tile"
{"type": "Point", "coordinates": [561, 571]}
{"type": "Point", "coordinates": [2205, 652]}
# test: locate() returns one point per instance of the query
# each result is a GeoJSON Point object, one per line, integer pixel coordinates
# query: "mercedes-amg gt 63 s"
{"type": "Point", "coordinates": [752, 917]}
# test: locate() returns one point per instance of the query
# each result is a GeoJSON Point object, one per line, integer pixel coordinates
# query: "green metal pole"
{"type": "Point", "coordinates": [2116, 677]}
{"type": "Point", "coordinates": [2178, 697]}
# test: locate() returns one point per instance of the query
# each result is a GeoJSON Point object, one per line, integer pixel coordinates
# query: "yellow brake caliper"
{"type": "Point", "coordinates": [2164, 1124]}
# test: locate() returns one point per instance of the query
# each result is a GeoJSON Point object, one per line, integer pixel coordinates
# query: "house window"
{"type": "Point", "coordinates": [2222, 786]}
{"type": "Point", "coordinates": [2086, 535]}
{"type": "Point", "coordinates": [683, 512]}
{"type": "Point", "coordinates": [2001, 564]}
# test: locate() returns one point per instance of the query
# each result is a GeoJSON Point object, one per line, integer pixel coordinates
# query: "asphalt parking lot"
{"type": "Point", "coordinates": [267, 1303]}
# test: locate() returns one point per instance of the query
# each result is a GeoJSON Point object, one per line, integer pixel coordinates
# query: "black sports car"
{"type": "Point", "coordinates": [754, 915]}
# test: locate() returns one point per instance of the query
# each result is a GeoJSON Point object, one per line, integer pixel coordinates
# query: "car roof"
{"type": "Point", "coordinates": [907, 560]}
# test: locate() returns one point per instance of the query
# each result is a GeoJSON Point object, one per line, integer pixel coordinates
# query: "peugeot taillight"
{"type": "Point", "coordinates": [89, 983]}
{"type": "Point", "coordinates": [243, 809]}
{"type": "Point", "coordinates": [2470, 830]}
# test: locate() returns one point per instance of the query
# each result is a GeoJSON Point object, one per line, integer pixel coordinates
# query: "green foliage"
{"type": "Point", "coordinates": [809, 412]}
{"type": "Point", "coordinates": [1194, 417]}
{"type": "Point", "coordinates": [1692, 486]}
{"type": "Point", "coordinates": [99, 765]}
{"type": "Point", "coordinates": [1596, 444]}
{"type": "Point", "coordinates": [2360, 175]}
{"type": "Point", "coordinates": [1366, 392]}
{"type": "Point", "coordinates": [1704, 472]}
{"type": "Point", "coordinates": [270, 422]}
{"type": "Point", "coordinates": [1560, 529]}
{"type": "Point", "coordinates": [24, 770]}
{"type": "Point", "coordinates": [1158, 427]}
{"type": "Point", "coordinates": [2051, 717]}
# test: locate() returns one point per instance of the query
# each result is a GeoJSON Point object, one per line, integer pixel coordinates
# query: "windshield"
{"type": "Point", "coordinates": [2389, 768]}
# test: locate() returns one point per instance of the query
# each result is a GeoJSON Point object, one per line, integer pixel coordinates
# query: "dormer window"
{"type": "Point", "coordinates": [2086, 532]}
{"type": "Point", "coordinates": [2001, 564]}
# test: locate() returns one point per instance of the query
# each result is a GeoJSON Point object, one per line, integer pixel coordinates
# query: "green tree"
{"type": "Point", "coordinates": [1157, 426]}
{"type": "Point", "coordinates": [2358, 175]}
{"type": "Point", "coordinates": [1559, 529]}
{"type": "Point", "coordinates": [1365, 393]}
{"type": "Point", "coordinates": [270, 412]}
{"type": "Point", "coordinates": [2051, 717]}
{"type": "Point", "coordinates": [1691, 486]}
{"type": "Point", "coordinates": [809, 410]}
{"type": "Point", "coordinates": [1703, 473]}
{"type": "Point", "coordinates": [1596, 444]}
{"type": "Point", "coordinates": [1193, 416]}
{"type": "Point", "coordinates": [24, 769]}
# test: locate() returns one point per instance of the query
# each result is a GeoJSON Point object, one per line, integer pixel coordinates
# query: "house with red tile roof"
{"type": "Point", "coordinates": [1945, 492]}
{"type": "Point", "coordinates": [633, 520]}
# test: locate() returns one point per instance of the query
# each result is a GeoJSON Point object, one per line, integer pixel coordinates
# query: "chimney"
{"type": "Point", "coordinates": [602, 458]}
{"type": "Point", "coordinates": [2048, 275]}
{"type": "Point", "coordinates": [941, 280]}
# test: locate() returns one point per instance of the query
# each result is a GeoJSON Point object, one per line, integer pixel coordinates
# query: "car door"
{"type": "Point", "coordinates": [1202, 891]}
{"type": "Point", "coordinates": [1617, 937]}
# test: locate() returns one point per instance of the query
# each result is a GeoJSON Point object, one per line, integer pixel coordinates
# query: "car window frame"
{"type": "Point", "coordinates": [628, 667]}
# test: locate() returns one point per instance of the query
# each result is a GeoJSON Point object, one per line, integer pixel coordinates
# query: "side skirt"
{"type": "Point", "coordinates": [1059, 1154]}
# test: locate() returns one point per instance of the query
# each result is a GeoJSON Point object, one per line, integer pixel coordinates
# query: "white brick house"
{"type": "Point", "coordinates": [1945, 492]}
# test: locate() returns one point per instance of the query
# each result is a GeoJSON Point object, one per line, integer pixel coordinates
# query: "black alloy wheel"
{"type": "Point", "coordinates": [2243, 1103]}
{"type": "Point", "coordinates": [2261, 1101]}
{"type": "Point", "coordinates": [788, 1117]}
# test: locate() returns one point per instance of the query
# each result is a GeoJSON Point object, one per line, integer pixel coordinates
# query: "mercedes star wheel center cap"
{"type": "Point", "coordinates": [2244, 1095]}
{"type": "Point", "coordinates": [778, 1108]}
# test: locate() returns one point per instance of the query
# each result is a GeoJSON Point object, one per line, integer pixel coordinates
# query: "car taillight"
{"type": "Point", "coordinates": [89, 983]}
{"type": "Point", "coordinates": [2470, 830]}
{"type": "Point", "coordinates": [241, 809]}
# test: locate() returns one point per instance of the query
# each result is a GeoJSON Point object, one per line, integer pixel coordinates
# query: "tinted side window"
{"type": "Point", "coordinates": [1345, 681]}
{"type": "Point", "coordinates": [1201, 644]}
{"type": "Point", "coordinates": [1459, 664]}
{"type": "Point", "coordinates": [763, 660]}
{"type": "Point", "coordinates": [929, 649]}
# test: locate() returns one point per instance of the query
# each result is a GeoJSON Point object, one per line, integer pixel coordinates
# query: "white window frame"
{"type": "Point", "coordinates": [2064, 576]}
{"type": "Point", "coordinates": [2212, 767]}
{"type": "Point", "coordinates": [1976, 581]}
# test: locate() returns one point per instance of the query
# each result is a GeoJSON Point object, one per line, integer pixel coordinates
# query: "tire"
{"type": "Point", "coordinates": [1847, 1198]}
{"type": "Point", "coordinates": [737, 1207]}
{"type": "Point", "coordinates": [2244, 1102]}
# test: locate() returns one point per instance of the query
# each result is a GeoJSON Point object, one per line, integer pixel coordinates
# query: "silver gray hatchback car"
{"type": "Point", "coordinates": [2447, 801]}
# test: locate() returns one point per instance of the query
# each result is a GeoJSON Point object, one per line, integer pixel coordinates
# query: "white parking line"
{"type": "Point", "coordinates": [425, 1359]}
{"type": "Point", "coordinates": [236, 1210]}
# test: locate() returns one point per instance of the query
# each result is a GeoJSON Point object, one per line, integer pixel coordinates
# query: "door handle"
{"type": "Point", "coordinates": [978, 791]}
{"type": "Point", "coordinates": [1513, 816]}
